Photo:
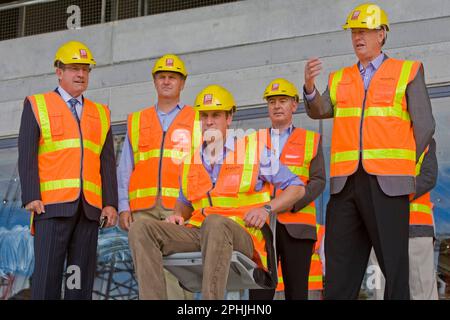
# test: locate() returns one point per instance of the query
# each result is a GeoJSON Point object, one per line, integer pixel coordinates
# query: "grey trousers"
{"type": "Point", "coordinates": [422, 275]}
{"type": "Point", "coordinates": [217, 238]}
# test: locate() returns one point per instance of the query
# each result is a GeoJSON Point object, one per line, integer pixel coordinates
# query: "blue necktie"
{"type": "Point", "coordinates": [73, 102]}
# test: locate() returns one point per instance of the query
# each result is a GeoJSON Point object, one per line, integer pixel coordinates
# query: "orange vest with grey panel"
{"type": "Point", "coordinates": [376, 124]}
{"type": "Point", "coordinates": [315, 281]}
{"type": "Point", "coordinates": [315, 277]}
{"type": "Point", "coordinates": [297, 154]}
{"type": "Point", "coordinates": [63, 171]}
{"type": "Point", "coordinates": [157, 157]}
{"type": "Point", "coordinates": [233, 194]}
{"type": "Point", "coordinates": [421, 209]}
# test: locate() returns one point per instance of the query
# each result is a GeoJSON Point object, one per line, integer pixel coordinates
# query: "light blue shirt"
{"type": "Point", "coordinates": [126, 163]}
{"type": "Point", "coordinates": [66, 97]}
{"type": "Point", "coordinates": [366, 74]}
{"type": "Point", "coordinates": [270, 170]}
{"type": "Point", "coordinates": [278, 140]}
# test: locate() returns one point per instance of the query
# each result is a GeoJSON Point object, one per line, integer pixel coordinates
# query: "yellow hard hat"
{"type": "Point", "coordinates": [281, 87]}
{"type": "Point", "coordinates": [170, 62]}
{"type": "Point", "coordinates": [214, 97]}
{"type": "Point", "coordinates": [74, 52]}
{"type": "Point", "coordinates": [367, 16]}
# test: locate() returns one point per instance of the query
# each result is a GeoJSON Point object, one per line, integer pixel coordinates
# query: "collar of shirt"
{"type": "Point", "coordinates": [229, 145]}
{"type": "Point", "coordinates": [278, 140]}
{"type": "Point", "coordinates": [179, 106]}
{"type": "Point", "coordinates": [373, 65]}
{"type": "Point", "coordinates": [66, 96]}
{"type": "Point", "coordinates": [285, 132]}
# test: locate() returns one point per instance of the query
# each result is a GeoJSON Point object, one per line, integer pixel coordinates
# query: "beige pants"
{"type": "Point", "coordinates": [422, 275]}
{"type": "Point", "coordinates": [217, 238]}
{"type": "Point", "coordinates": [174, 291]}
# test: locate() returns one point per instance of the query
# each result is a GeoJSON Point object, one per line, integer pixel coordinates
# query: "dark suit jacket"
{"type": "Point", "coordinates": [29, 135]}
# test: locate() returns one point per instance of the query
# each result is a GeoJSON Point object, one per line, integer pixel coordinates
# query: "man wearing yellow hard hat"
{"type": "Point", "coordinates": [148, 172]}
{"type": "Point", "coordinates": [224, 199]}
{"type": "Point", "coordinates": [382, 124]}
{"type": "Point", "coordinates": [68, 177]}
{"type": "Point", "coordinates": [301, 151]}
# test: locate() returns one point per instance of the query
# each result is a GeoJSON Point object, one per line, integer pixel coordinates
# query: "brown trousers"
{"type": "Point", "coordinates": [217, 238]}
{"type": "Point", "coordinates": [174, 291]}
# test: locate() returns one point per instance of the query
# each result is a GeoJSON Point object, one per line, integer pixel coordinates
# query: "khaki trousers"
{"type": "Point", "coordinates": [217, 238]}
{"type": "Point", "coordinates": [174, 291]}
{"type": "Point", "coordinates": [422, 275]}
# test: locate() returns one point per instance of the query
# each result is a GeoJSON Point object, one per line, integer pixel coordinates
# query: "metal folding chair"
{"type": "Point", "coordinates": [187, 267]}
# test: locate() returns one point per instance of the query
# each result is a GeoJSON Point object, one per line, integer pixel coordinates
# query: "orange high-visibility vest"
{"type": "Point", "coordinates": [233, 194]}
{"type": "Point", "coordinates": [315, 278]}
{"type": "Point", "coordinates": [421, 209]}
{"type": "Point", "coordinates": [388, 146]}
{"type": "Point", "coordinates": [297, 154]}
{"type": "Point", "coordinates": [158, 157]}
{"type": "Point", "coordinates": [61, 168]}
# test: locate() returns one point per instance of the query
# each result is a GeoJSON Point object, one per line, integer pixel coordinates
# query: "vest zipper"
{"type": "Point", "coordinates": [208, 193]}
{"type": "Point", "coordinates": [361, 127]}
{"type": "Point", "coordinates": [82, 149]}
{"type": "Point", "coordinates": [362, 113]}
{"type": "Point", "coordinates": [209, 199]}
{"type": "Point", "coordinates": [161, 156]}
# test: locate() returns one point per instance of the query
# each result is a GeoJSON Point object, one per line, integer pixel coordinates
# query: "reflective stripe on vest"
{"type": "Point", "coordinates": [395, 160]}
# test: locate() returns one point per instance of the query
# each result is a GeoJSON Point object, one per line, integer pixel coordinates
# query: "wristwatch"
{"type": "Point", "coordinates": [268, 208]}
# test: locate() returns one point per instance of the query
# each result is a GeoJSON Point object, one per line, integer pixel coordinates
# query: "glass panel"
{"type": "Point", "coordinates": [16, 244]}
{"type": "Point", "coordinates": [11, 213]}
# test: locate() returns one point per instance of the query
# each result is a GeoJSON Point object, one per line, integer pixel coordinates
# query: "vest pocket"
{"type": "Point", "coordinates": [56, 124]}
{"type": "Point", "coordinates": [343, 94]}
{"type": "Point", "coordinates": [384, 95]}
{"type": "Point", "coordinates": [93, 122]}
{"type": "Point", "coordinates": [144, 137]}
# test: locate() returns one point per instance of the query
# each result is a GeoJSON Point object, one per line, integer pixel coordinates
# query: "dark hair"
{"type": "Point", "coordinates": [59, 64]}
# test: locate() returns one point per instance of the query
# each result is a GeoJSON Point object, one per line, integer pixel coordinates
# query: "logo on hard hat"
{"type": "Point", "coordinates": [207, 98]}
{"type": "Point", "coordinates": [83, 54]}
{"type": "Point", "coordinates": [169, 62]}
{"type": "Point", "coordinates": [275, 86]}
{"type": "Point", "coordinates": [356, 15]}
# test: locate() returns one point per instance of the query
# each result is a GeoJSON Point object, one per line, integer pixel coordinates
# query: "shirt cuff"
{"type": "Point", "coordinates": [311, 96]}
{"type": "Point", "coordinates": [294, 181]}
{"type": "Point", "coordinates": [124, 206]}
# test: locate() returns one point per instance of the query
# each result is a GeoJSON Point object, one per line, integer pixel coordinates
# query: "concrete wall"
{"type": "Point", "coordinates": [241, 46]}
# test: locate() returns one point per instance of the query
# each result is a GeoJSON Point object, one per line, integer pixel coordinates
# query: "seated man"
{"type": "Point", "coordinates": [224, 194]}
